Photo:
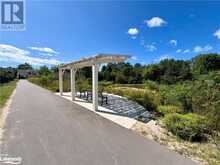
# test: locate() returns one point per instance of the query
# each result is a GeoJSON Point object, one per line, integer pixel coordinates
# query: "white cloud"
{"type": "Point", "coordinates": [163, 57]}
{"type": "Point", "coordinates": [178, 50]}
{"type": "Point", "coordinates": [134, 57]}
{"type": "Point", "coordinates": [199, 49]}
{"type": "Point", "coordinates": [47, 54]}
{"type": "Point", "coordinates": [155, 22]}
{"type": "Point", "coordinates": [186, 51]}
{"type": "Point", "coordinates": [173, 42]}
{"type": "Point", "coordinates": [217, 33]}
{"type": "Point", "coordinates": [150, 47]}
{"type": "Point", "coordinates": [133, 31]}
{"type": "Point", "coordinates": [11, 53]}
{"type": "Point", "coordinates": [44, 49]}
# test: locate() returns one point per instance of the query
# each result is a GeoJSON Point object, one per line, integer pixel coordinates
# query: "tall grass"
{"type": "Point", "coordinates": [148, 98]}
{"type": "Point", "coordinates": [52, 85]}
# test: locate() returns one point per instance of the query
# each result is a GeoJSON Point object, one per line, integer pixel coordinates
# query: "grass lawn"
{"type": "Point", "coordinates": [5, 91]}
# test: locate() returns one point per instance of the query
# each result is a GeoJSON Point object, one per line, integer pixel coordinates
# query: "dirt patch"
{"type": "Point", "coordinates": [150, 130]}
{"type": "Point", "coordinates": [202, 153]}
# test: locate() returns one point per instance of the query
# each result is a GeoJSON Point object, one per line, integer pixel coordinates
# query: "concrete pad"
{"type": "Point", "coordinates": [121, 120]}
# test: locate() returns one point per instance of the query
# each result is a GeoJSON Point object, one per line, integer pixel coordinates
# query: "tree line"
{"type": "Point", "coordinates": [168, 71]}
{"type": "Point", "coordinates": [8, 74]}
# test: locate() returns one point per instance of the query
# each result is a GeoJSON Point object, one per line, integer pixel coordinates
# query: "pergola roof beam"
{"type": "Point", "coordinates": [98, 59]}
{"type": "Point", "coordinates": [95, 62]}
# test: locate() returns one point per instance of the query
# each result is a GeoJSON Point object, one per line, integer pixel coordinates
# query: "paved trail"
{"type": "Point", "coordinates": [45, 129]}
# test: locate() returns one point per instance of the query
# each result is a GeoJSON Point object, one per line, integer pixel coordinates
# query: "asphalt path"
{"type": "Point", "coordinates": [45, 129]}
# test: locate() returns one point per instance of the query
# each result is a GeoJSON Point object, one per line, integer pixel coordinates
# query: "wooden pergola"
{"type": "Point", "coordinates": [94, 62]}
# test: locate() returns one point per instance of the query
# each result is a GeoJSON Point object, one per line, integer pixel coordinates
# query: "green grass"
{"type": "Point", "coordinates": [6, 91]}
{"type": "Point", "coordinates": [52, 85]}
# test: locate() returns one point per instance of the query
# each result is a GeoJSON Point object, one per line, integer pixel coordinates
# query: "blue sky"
{"type": "Point", "coordinates": [64, 31]}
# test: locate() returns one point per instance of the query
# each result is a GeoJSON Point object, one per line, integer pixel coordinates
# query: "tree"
{"type": "Point", "coordinates": [25, 66]}
{"type": "Point", "coordinates": [7, 74]}
{"type": "Point", "coordinates": [152, 72]}
{"type": "Point", "coordinates": [205, 63]}
{"type": "Point", "coordinates": [54, 72]}
{"type": "Point", "coordinates": [109, 72]}
{"type": "Point", "coordinates": [137, 74]}
{"type": "Point", "coordinates": [44, 70]}
{"type": "Point", "coordinates": [174, 70]}
{"type": "Point", "coordinates": [120, 78]}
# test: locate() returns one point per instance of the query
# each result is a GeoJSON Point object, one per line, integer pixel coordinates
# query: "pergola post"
{"type": "Point", "coordinates": [73, 83]}
{"type": "Point", "coordinates": [95, 69]}
{"type": "Point", "coordinates": [61, 81]}
{"type": "Point", "coordinates": [95, 62]}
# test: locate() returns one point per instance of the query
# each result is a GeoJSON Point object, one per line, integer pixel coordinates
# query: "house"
{"type": "Point", "coordinates": [25, 73]}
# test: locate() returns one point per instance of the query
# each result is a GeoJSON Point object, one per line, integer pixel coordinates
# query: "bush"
{"type": "Point", "coordinates": [179, 95]}
{"type": "Point", "coordinates": [83, 85]}
{"type": "Point", "coordinates": [151, 100]}
{"type": "Point", "coordinates": [45, 80]}
{"type": "Point", "coordinates": [190, 126]}
{"type": "Point", "coordinates": [153, 85]}
{"type": "Point", "coordinates": [50, 84]}
{"type": "Point", "coordinates": [167, 109]}
{"type": "Point", "coordinates": [206, 99]}
{"type": "Point", "coordinates": [140, 86]}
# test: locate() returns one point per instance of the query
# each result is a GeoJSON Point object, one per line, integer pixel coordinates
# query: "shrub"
{"type": "Point", "coordinates": [179, 95]}
{"type": "Point", "coordinates": [44, 80]}
{"type": "Point", "coordinates": [153, 85]}
{"type": "Point", "coordinates": [167, 109]}
{"type": "Point", "coordinates": [206, 95]}
{"type": "Point", "coordinates": [151, 100]}
{"type": "Point", "coordinates": [83, 85]}
{"type": "Point", "coordinates": [190, 126]}
{"type": "Point", "coordinates": [50, 84]}
{"type": "Point", "coordinates": [206, 99]}
{"type": "Point", "coordinates": [139, 86]}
